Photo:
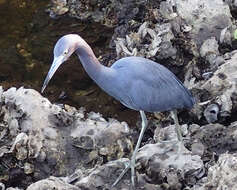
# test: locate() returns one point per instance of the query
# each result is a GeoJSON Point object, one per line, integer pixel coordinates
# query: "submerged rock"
{"type": "Point", "coordinates": [59, 7]}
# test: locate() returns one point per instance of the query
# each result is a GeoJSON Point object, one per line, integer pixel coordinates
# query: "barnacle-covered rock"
{"type": "Point", "coordinates": [208, 18]}
{"type": "Point", "coordinates": [20, 145]}
{"type": "Point", "coordinates": [215, 138]}
{"type": "Point", "coordinates": [48, 139]}
{"type": "Point", "coordinates": [59, 7]}
{"type": "Point", "coordinates": [110, 138]}
{"type": "Point", "coordinates": [209, 51]}
{"type": "Point", "coordinates": [222, 175]}
{"type": "Point", "coordinates": [51, 184]}
{"type": "Point", "coordinates": [171, 161]}
{"type": "Point", "coordinates": [211, 112]}
{"type": "Point", "coordinates": [104, 176]}
{"type": "Point", "coordinates": [28, 168]}
{"type": "Point", "coordinates": [222, 85]}
{"type": "Point", "coordinates": [148, 42]}
{"type": "Point", "coordinates": [168, 133]}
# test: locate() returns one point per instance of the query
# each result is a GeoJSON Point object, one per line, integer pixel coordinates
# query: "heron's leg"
{"type": "Point", "coordinates": [177, 126]}
{"type": "Point", "coordinates": [127, 166]}
{"type": "Point", "coordinates": [133, 159]}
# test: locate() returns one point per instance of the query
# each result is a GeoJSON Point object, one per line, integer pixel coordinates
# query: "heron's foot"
{"type": "Point", "coordinates": [128, 165]}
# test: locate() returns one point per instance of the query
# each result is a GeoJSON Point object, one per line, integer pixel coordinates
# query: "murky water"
{"type": "Point", "coordinates": [27, 37]}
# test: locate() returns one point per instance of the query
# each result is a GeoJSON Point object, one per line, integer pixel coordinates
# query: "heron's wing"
{"type": "Point", "coordinates": [149, 86]}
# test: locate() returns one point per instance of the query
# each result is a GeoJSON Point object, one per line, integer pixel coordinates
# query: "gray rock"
{"type": "Point", "coordinates": [211, 112]}
{"type": "Point", "coordinates": [170, 160]}
{"type": "Point", "coordinates": [55, 138]}
{"type": "Point", "coordinates": [222, 85]}
{"type": "Point", "coordinates": [198, 148]}
{"type": "Point", "coordinates": [166, 9]}
{"type": "Point", "coordinates": [1, 91]}
{"type": "Point", "coordinates": [2, 186]}
{"type": "Point", "coordinates": [209, 51]}
{"type": "Point", "coordinates": [208, 18]}
{"type": "Point", "coordinates": [216, 138]}
{"type": "Point", "coordinates": [168, 133]}
{"type": "Point", "coordinates": [51, 184]}
{"type": "Point", "coordinates": [104, 176]}
{"type": "Point", "coordinates": [222, 175]}
{"type": "Point", "coordinates": [159, 42]}
{"type": "Point", "coordinates": [108, 138]}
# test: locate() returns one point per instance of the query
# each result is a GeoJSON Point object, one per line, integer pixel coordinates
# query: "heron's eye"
{"type": "Point", "coordinates": [65, 52]}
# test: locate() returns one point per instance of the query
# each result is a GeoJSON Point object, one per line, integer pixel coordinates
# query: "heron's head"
{"type": "Point", "coordinates": [63, 49]}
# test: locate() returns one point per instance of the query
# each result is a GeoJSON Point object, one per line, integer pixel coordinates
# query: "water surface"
{"type": "Point", "coordinates": [28, 35]}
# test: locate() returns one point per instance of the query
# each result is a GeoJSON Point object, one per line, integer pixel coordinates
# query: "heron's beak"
{"type": "Point", "coordinates": [55, 65]}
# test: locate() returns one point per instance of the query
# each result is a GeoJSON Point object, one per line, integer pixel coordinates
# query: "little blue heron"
{"type": "Point", "coordinates": [138, 83]}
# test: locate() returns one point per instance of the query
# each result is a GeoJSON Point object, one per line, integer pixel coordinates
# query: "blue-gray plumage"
{"type": "Point", "coordinates": [142, 84]}
{"type": "Point", "coordinates": [138, 83]}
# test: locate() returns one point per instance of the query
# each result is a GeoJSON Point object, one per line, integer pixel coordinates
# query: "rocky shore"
{"type": "Point", "coordinates": [54, 146]}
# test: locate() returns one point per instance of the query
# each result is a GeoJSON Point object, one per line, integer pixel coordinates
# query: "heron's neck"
{"type": "Point", "coordinates": [95, 70]}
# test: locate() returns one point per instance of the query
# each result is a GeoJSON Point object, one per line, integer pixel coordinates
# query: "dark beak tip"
{"type": "Point", "coordinates": [42, 89]}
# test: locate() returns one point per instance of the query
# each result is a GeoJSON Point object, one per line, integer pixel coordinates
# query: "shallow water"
{"type": "Point", "coordinates": [28, 35]}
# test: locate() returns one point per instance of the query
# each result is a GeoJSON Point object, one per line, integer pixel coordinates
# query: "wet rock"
{"type": "Point", "coordinates": [222, 175]}
{"type": "Point", "coordinates": [106, 12]}
{"type": "Point", "coordinates": [59, 7]}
